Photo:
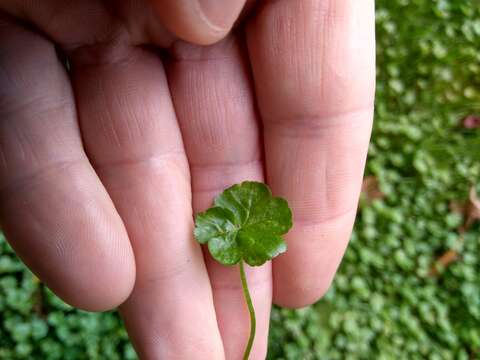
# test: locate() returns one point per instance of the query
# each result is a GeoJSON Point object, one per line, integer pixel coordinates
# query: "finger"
{"type": "Point", "coordinates": [313, 64]}
{"type": "Point", "coordinates": [73, 24]}
{"type": "Point", "coordinates": [198, 21]}
{"type": "Point", "coordinates": [213, 98]}
{"type": "Point", "coordinates": [53, 208]}
{"type": "Point", "coordinates": [69, 23]}
{"type": "Point", "coordinates": [132, 138]}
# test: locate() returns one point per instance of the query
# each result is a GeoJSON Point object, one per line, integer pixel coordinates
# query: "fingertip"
{"type": "Point", "coordinates": [98, 301]}
{"type": "Point", "coordinates": [298, 294]}
{"type": "Point", "coordinates": [102, 289]}
{"type": "Point", "coordinates": [201, 22]}
{"type": "Point", "coordinates": [100, 280]}
{"type": "Point", "coordinates": [304, 274]}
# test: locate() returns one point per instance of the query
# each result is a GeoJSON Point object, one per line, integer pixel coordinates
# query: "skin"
{"type": "Point", "coordinates": [103, 167]}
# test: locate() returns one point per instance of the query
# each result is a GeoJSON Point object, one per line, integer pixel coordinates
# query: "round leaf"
{"type": "Point", "coordinates": [246, 223]}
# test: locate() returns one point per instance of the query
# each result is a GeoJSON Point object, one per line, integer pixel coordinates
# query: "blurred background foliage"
{"type": "Point", "coordinates": [409, 285]}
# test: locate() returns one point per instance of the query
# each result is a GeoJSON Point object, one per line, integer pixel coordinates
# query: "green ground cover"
{"type": "Point", "coordinates": [388, 301]}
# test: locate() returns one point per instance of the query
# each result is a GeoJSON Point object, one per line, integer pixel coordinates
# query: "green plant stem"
{"type": "Point", "coordinates": [251, 310]}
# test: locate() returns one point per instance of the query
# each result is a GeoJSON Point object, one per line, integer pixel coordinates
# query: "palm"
{"type": "Point", "coordinates": [105, 164]}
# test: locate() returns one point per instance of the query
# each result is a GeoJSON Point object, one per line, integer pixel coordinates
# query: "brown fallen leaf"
{"type": "Point", "coordinates": [471, 122]}
{"type": "Point", "coordinates": [458, 207]}
{"type": "Point", "coordinates": [473, 210]}
{"type": "Point", "coordinates": [371, 189]}
{"type": "Point", "coordinates": [39, 302]}
{"type": "Point", "coordinates": [469, 209]}
{"type": "Point", "coordinates": [446, 259]}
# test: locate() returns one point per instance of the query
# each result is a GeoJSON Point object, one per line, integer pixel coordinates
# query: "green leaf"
{"type": "Point", "coordinates": [245, 223]}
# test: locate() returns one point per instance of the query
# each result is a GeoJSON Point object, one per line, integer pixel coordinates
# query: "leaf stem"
{"type": "Point", "coordinates": [251, 310]}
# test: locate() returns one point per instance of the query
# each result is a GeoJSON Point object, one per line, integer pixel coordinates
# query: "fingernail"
{"type": "Point", "coordinates": [221, 13]}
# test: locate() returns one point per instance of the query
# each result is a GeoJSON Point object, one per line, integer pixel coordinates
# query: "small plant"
{"type": "Point", "coordinates": [245, 225]}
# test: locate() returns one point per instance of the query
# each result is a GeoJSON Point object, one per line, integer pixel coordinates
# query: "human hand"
{"type": "Point", "coordinates": [108, 160]}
